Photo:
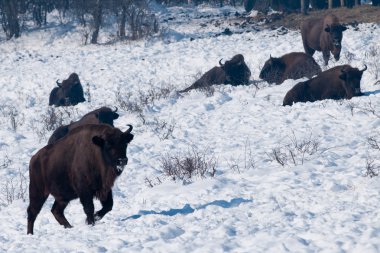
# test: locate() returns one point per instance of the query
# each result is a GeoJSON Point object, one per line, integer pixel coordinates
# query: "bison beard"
{"type": "Point", "coordinates": [84, 165]}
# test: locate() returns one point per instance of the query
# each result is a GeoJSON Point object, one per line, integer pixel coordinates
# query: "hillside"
{"type": "Point", "coordinates": [286, 179]}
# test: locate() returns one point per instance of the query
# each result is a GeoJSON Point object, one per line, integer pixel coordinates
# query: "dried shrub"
{"type": "Point", "coordinates": [187, 166]}
{"type": "Point", "coordinates": [16, 118]}
{"type": "Point", "coordinates": [296, 151]}
{"type": "Point", "coordinates": [13, 187]}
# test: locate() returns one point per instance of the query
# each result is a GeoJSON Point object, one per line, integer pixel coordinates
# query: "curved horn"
{"type": "Point", "coordinates": [365, 68]}
{"type": "Point", "coordinates": [58, 83]}
{"type": "Point", "coordinates": [115, 109]}
{"type": "Point", "coordinates": [129, 129]}
{"type": "Point", "coordinates": [220, 62]}
{"type": "Point", "coordinates": [270, 57]}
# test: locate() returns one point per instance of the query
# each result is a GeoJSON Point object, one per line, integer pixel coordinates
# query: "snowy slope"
{"type": "Point", "coordinates": [321, 204]}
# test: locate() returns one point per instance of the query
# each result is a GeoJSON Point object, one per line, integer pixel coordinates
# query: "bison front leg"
{"type": "Point", "coordinates": [88, 207]}
{"type": "Point", "coordinates": [326, 57]}
{"type": "Point", "coordinates": [57, 210]}
{"type": "Point", "coordinates": [106, 206]}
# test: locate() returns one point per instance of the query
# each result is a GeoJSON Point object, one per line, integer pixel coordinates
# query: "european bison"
{"type": "Point", "coordinates": [84, 165]}
{"type": "Point", "coordinates": [233, 72]}
{"type": "Point", "coordinates": [323, 34]}
{"type": "Point", "coordinates": [69, 92]}
{"type": "Point", "coordinates": [289, 66]}
{"type": "Point", "coordinates": [336, 83]}
{"type": "Point", "coordinates": [102, 115]}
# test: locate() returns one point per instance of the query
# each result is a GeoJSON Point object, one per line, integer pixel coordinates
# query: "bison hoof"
{"type": "Point", "coordinates": [98, 217]}
{"type": "Point", "coordinates": [90, 221]}
{"type": "Point", "coordinates": [68, 226]}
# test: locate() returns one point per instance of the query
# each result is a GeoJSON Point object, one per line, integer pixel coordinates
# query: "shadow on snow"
{"type": "Point", "coordinates": [186, 209]}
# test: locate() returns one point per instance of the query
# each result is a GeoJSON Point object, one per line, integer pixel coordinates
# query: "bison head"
{"type": "Point", "coordinates": [273, 70]}
{"type": "Point", "coordinates": [107, 117]}
{"type": "Point", "coordinates": [351, 78]}
{"type": "Point", "coordinates": [237, 71]}
{"type": "Point", "coordinates": [114, 147]}
{"type": "Point", "coordinates": [336, 34]}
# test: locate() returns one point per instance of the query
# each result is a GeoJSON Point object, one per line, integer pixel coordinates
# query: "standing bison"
{"type": "Point", "coordinates": [233, 72]}
{"type": "Point", "coordinates": [336, 83]}
{"type": "Point", "coordinates": [323, 34]}
{"type": "Point", "coordinates": [84, 165]}
{"type": "Point", "coordinates": [102, 115]}
{"type": "Point", "coordinates": [69, 92]}
{"type": "Point", "coordinates": [289, 66]}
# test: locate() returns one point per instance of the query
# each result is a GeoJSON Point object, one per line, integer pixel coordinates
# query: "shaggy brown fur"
{"type": "Point", "coordinates": [289, 66]}
{"type": "Point", "coordinates": [336, 83]}
{"type": "Point", "coordinates": [69, 92]}
{"type": "Point", "coordinates": [323, 34]}
{"type": "Point", "coordinates": [102, 115]}
{"type": "Point", "coordinates": [84, 164]}
{"type": "Point", "coordinates": [233, 72]}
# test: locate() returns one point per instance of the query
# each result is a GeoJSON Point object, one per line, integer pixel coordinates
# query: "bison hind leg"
{"type": "Point", "coordinates": [34, 208]}
{"type": "Point", "coordinates": [57, 210]}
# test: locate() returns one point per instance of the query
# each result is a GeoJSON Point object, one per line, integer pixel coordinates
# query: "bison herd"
{"type": "Point", "coordinates": [84, 158]}
{"type": "Point", "coordinates": [318, 34]}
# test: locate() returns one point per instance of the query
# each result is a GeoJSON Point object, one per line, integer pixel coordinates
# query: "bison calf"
{"type": "Point", "coordinates": [69, 92]}
{"type": "Point", "coordinates": [102, 115]}
{"type": "Point", "coordinates": [336, 83]}
{"type": "Point", "coordinates": [234, 72]}
{"type": "Point", "coordinates": [323, 34]}
{"type": "Point", "coordinates": [84, 165]}
{"type": "Point", "coordinates": [289, 66]}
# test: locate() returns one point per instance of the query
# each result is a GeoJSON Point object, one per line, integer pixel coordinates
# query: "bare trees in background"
{"type": "Point", "coordinates": [134, 18]}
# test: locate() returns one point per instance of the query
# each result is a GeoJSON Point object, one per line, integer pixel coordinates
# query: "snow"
{"type": "Point", "coordinates": [321, 203]}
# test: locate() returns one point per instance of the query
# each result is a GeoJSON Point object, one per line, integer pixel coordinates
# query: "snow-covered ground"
{"type": "Point", "coordinates": [321, 203]}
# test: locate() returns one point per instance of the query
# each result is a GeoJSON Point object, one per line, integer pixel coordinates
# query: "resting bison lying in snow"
{"type": "Point", "coordinates": [84, 165]}
{"type": "Point", "coordinates": [69, 92]}
{"type": "Point", "coordinates": [289, 66]}
{"type": "Point", "coordinates": [234, 72]}
{"type": "Point", "coordinates": [323, 34]}
{"type": "Point", "coordinates": [336, 83]}
{"type": "Point", "coordinates": [102, 115]}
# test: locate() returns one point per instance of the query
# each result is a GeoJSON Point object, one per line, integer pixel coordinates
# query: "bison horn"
{"type": "Point", "coordinates": [58, 83]}
{"type": "Point", "coordinates": [220, 62]}
{"type": "Point", "coordinates": [115, 109]}
{"type": "Point", "coordinates": [129, 129]}
{"type": "Point", "coordinates": [365, 68]}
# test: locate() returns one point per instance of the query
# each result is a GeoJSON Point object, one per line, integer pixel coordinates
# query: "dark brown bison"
{"type": "Point", "coordinates": [69, 92]}
{"type": "Point", "coordinates": [336, 83]}
{"type": "Point", "coordinates": [84, 165]}
{"type": "Point", "coordinates": [102, 115]}
{"type": "Point", "coordinates": [233, 72]}
{"type": "Point", "coordinates": [323, 34]}
{"type": "Point", "coordinates": [289, 66]}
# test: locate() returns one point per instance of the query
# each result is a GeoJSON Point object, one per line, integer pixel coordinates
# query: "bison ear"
{"type": "Point", "coordinates": [343, 76]}
{"type": "Point", "coordinates": [128, 137]}
{"type": "Point", "coordinates": [343, 28]}
{"type": "Point", "coordinates": [327, 29]}
{"type": "Point", "coordinates": [98, 141]}
{"type": "Point", "coordinates": [115, 115]}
